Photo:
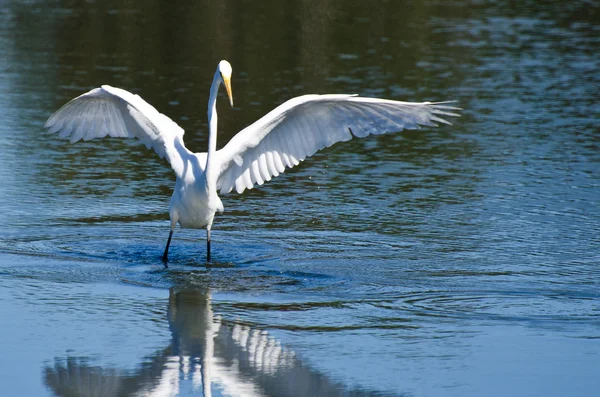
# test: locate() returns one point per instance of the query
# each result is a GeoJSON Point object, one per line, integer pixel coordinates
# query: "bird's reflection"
{"type": "Point", "coordinates": [208, 356]}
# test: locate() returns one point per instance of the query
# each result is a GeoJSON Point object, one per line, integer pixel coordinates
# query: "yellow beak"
{"type": "Point", "coordinates": [227, 84]}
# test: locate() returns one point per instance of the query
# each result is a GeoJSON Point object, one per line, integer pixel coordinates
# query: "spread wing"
{"type": "Point", "coordinates": [118, 113]}
{"type": "Point", "coordinates": [304, 125]}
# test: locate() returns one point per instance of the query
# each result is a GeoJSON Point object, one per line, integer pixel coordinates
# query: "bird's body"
{"type": "Point", "coordinates": [281, 139]}
{"type": "Point", "coordinates": [192, 204]}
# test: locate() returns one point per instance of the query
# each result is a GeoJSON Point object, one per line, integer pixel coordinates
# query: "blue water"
{"type": "Point", "coordinates": [459, 261]}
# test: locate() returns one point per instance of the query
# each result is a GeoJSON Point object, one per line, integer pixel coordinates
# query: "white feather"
{"type": "Point", "coordinates": [117, 113]}
{"type": "Point", "coordinates": [304, 125]}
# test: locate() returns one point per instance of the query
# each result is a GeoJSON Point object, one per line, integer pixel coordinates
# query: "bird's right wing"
{"type": "Point", "coordinates": [303, 125]}
{"type": "Point", "coordinates": [118, 113]}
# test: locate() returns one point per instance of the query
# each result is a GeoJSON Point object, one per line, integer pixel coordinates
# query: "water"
{"type": "Point", "coordinates": [456, 261]}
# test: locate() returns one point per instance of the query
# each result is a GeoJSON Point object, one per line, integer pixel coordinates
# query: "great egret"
{"type": "Point", "coordinates": [281, 139]}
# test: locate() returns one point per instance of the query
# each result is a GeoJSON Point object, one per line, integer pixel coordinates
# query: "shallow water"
{"type": "Point", "coordinates": [460, 260]}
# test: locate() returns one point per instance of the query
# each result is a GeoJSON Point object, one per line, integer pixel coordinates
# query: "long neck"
{"type": "Point", "coordinates": [210, 170]}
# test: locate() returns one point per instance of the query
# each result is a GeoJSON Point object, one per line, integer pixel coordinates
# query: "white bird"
{"type": "Point", "coordinates": [281, 139]}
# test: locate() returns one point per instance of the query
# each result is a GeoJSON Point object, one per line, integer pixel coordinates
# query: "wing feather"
{"type": "Point", "coordinates": [247, 180]}
{"type": "Point", "coordinates": [303, 125]}
{"type": "Point", "coordinates": [78, 129]}
{"type": "Point", "coordinates": [265, 173]}
{"type": "Point", "coordinates": [110, 111]}
{"type": "Point", "coordinates": [255, 174]}
{"type": "Point", "coordinates": [278, 163]}
{"type": "Point", "coordinates": [271, 168]}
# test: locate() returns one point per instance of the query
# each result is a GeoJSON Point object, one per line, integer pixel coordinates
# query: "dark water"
{"type": "Point", "coordinates": [459, 261]}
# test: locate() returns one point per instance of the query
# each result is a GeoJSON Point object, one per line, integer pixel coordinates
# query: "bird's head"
{"type": "Point", "coordinates": [224, 69]}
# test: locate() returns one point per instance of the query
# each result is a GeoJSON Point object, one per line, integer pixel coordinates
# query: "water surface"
{"type": "Point", "coordinates": [460, 260]}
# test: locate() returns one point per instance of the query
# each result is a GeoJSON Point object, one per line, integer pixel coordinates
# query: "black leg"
{"type": "Point", "coordinates": [208, 245]}
{"type": "Point", "coordinates": [165, 257]}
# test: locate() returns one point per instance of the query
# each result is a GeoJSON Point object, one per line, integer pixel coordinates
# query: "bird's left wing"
{"type": "Point", "coordinates": [303, 125]}
{"type": "Point", "coordinates": [110, 111]}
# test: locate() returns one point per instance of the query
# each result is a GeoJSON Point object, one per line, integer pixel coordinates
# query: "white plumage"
{"type": "Point", "coordinates": [110, 111]}
{"type": "Point", "coordinates": [281, 139]}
